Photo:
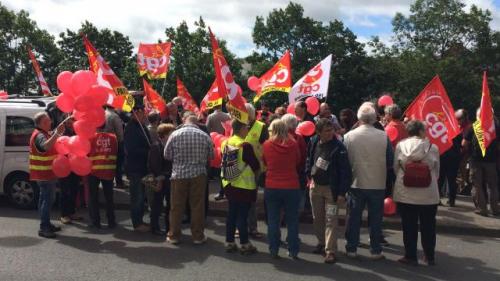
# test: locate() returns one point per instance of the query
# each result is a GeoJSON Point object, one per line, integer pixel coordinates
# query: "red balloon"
{"type": "Point", "coordinates": [85, 102]}
{"type": "Point", "coordinates": [64, 81]}
{"type": "Point", "coordinates": [61, 145]}
{"type": "Point", "coordinates": [61, 166]}
{"type": "Point", "coordinates": [385, 100]}
{"type": "Point", "coordinates": [389, 207]}
{"type": "Point", "coordinates": [97, 116]}
{"type": "Point", "coordinates": [84, 129]}
{"type": "Point", "coordinates": [217, 161]}
{"type": "Point", "coordinates": [253, 83]}
{"type": "Point", "coordinates": [3, 95]}
{"type": "Point", "coordinates": [65, 103]}
{"type": "Point", "coordinates": [82, 80]}
{"type": "Point", "coordinates": [218, 140]}
{"type": "Point", "coordinates": [213, 135]}
{"type": "Point", "coordinates": [306, 128]}
{"type": "Point", "coordinates": [99, 94]}
{"type": "Point", "coordinates": [79, 146]}
{"type": "Point", "coordinates": [80, 165]}
{"type": "Point", "coordinates": [291, 108]}
{"type": "Point", "coordinates": [312, 105]}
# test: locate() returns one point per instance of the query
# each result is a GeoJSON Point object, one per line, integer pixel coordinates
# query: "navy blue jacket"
{"type": "Point", "coordinates": [137, 142]}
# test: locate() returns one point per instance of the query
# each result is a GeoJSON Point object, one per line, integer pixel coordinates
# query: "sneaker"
{"type": "Point", "coordinates": [376, 257]}
{"type": "Point", "coordinates": [200, 242]}
{"type": "Point", "coordinates": [330, 258]}
{"type": "Point", "coordinates": [172, 241]}
{"type": "Point", "coordinates": [219, 197]}
{"type": "Point", "coordinates": [65, 220]}
{"type": "Point", "coordinates": [275, 256]}
{"type": "Point", "coordinates": [142, 228]}
{"type": "Point", "coordinates": [351, 255]}
{"type": "Point", "coordinates": [319, 250]}
{"type": "Point", "coordinates": [46, 234]}
{"type": "Point", "coordinates": [158, 232]}
{"type": "Point", "coordinates": [407, 261]}
{"type": "Point", "coordinates": [248, 249]}
{"type": "Point", "coordinates": [294, 256]}
{"type": "Point", "coordinates": [231, 248]}
{"type": "Point", "coordinates": [384, 242]}
{"type": "Point", "coordinates": [54, 228]}
{"type": "Point", "coordinates": [429, 262]}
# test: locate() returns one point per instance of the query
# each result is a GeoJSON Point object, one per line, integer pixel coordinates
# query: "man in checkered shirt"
{"type": "Point", "coordinates": [189, 149]}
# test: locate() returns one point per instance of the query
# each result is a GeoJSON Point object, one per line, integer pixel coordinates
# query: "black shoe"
{"type": "Point", "coordinates": [158, 232]}
{"type": "Point", "coordinates": [95, 226]}
{"type": "Point", "coordinates": [319, 250]}
{"type": "Point", "coordinates": [219, 197]}
{"type": "Point", "coordinates": [46, 234]}
{"type": "Point", "coordinates": [54, 228]}
{"type": "Point", "coordinates": [111, 224]}
{"type": "Point", "coordinates": [450, 203]}
{"type": "Point", "coordinates": [384, 242]}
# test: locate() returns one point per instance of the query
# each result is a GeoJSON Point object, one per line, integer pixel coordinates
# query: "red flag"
{"type": "Point", "coordinates": [187, 101]}
{"type": "Point", "coordinates": [154, 59]}
{"type": "Point", "coordinates": [226, 84]}
{"type": "Point", "coordinates": [484, 127]}
{"type": "Point", "coordinates": [154, 100]}
{"type": "Point", "coordinates": [107, 78]}
{"type": "Point", "coordinates": [43, 84]}
{"type": "Point", "coordinates": [211, 99]}
{"type": "Point", "coordinates": [278, 78]}
{"type": "Point", "coordinates": [433, 107]}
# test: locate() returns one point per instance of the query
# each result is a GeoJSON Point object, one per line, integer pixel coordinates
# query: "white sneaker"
{"type": "Point", "coordinates": [351, 255]}
{"type": "Point", "coordinates": [172, 241]}
{"type": "Point", "coordinates": [376, 257]}
{"type": "Point", "coordinates": [200, 242]}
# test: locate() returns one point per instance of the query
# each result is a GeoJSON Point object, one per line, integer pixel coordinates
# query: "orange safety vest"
{"type": "Point", "coordinates": [103, 152]}
{"type": "Point", "coordinates": [40, 163]}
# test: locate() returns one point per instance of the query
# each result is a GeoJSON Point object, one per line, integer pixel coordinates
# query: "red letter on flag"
{"type": "Point", "coordinates": [153, 60]}
{"type": "Point", "coordinates": [433, 107]}
{"type": "Point", "coordinates": [278, 78]}
{"type": "Point", "coordinates": [187, 101]}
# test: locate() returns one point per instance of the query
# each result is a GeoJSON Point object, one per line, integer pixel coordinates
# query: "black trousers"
{"type": "Point", "coordinates": [413, 216]}
{"type": "Point", "coordinates": [69, 190]}
{"type": "Point", "coordinates": [158, 199]}
{"type": "Point", "coordinates": [120, 157]}
{"type": "Point", "coordinates": [107, 186]}
{"type": "Point", "coordinates": [448, 170]}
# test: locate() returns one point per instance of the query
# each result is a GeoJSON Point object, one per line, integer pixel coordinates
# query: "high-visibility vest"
{"type": "Point", "coordinates": [104, 148]}
{"type": "Point", "coordinates": [247, 178]}
{"type": "Point", "coordinates": [253, 138]}
{"type": "Point", "coordinates": [40, 163]}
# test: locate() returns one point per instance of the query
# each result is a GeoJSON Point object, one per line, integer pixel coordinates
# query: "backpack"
{"type": "Point", "coordinates": [229, 166]}
{"type": "Point", "coordinates": [417, 173]}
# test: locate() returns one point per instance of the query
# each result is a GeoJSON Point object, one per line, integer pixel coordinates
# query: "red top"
{"type": "Point", "coordinates": [283, 162]}
{"type": "Point", "coordinates": [396, 131]}
{"type": "Point", "coordinates": [103, 152]}
{"type": "Point", "coordinates": [302, 149]}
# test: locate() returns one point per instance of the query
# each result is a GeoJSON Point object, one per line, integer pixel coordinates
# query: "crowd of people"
{"type": "Point", "coordinates": [350, 162]}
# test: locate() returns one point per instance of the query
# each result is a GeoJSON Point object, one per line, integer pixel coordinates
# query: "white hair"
{"type": "Point", "coordinates": [367, 114]}
{"type": "Point", "coordinates": [290, 121]}
{"type": "Point", "coordinates": [250, 110]}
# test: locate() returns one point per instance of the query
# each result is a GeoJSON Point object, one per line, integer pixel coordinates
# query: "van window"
{"type": "Point", "coordinates": [18, 131]}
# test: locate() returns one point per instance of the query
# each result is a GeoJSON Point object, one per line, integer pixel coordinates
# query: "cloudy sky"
{"type": "Point", "coordinates": [146, 20]}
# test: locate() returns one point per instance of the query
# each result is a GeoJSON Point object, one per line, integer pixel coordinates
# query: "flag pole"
{"type": "Point", "coordinates": [163, 87]}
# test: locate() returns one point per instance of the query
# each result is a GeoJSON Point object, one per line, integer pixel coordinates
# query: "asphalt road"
{"type": "Point", "coordinates": [80, 254]}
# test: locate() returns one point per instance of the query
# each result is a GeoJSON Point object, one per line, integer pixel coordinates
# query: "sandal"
{"type": "Point", "coordinates": [330, 258]}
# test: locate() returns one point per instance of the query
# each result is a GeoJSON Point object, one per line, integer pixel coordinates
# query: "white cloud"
{"type": "Point", "coordinates": [146, 20]}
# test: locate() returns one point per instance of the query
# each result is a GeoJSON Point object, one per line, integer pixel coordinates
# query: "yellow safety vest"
{"type": "Point", "coordinates": [247, 178]}
{"type": "Point", "coordinates": [253, 138]}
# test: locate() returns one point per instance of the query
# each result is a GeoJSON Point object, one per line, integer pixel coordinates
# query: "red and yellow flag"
{"type": "Point", "coordinates": [484, 127]}
{"type": "Point", "coordinates": [211, 99]}
{"type": "Point", "coordinates": [276, 79]}
{"type": "Point", "coordinates": [188, 102]}
{"type": "Point", "coordinates": [43, 84]}
{"type": "Point", "coordinates": [154, 99]}
{"type": "Point", "coordinates": [227, 87]}
{"type": "Point", "coordinates": [153, 60]}
{"type": "Point", "coordinates": [106, 77]}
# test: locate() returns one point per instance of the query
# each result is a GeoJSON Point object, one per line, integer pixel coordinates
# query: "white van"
{"type": "Point", "coordinates": [16, 126]}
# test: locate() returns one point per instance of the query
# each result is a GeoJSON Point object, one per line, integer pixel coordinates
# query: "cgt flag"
{"type": "Point", "coordinates": [433, 107]}
{"type": "Point", "coordinates": [43, 84]}
{"type": "Point", "coordinates": [314, 83]}
{"type": "Point", "coordinates": [153, 60]}
{"type": "Point", "coordinates": [107, 78]}
{"type": "Point", "coordinates": [188, 102]}
{"type": "Point", "coordinates": [278, 78]}
{"type": "Point", "coordinates": [226, 85]}
{"type": "Point", "coordinates": [154, 99]}
{"type": "Point", "coordinates": [484, 127]}
{"type": "Point", "coordinates": [211, 99]}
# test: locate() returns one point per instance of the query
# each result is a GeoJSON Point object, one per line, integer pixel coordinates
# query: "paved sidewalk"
{"type": "Point", "coordinates": [458, 220]}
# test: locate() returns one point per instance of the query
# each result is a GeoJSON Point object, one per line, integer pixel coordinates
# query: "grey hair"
{"type": "Point", "coordinates": [394, 110]}
{"type": "Point", "coordinates": [250, 110]}
{"type": "Point", "coordinates": [39, 116]}
{"type": "Point", "coordinates": [414, 127]}
{"type": "Point", "coordinates": [290, 121]}
{"type": "Point", "coordinates": [367, 114]}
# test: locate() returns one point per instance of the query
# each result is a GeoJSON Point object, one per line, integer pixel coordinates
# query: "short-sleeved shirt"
{"type": "Point", "coordinates": [475, 149]}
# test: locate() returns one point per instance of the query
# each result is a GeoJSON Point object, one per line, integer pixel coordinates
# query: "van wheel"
{"type": "Point", "coordinates": [22, 192]}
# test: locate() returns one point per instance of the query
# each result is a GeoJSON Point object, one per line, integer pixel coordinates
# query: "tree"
{"type": "Point", "coordinates": [17, 32]}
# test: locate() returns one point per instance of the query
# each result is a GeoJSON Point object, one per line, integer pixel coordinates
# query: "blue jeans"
{"type": "Point", "coordinates": [45, 203]}
{"type": "Point", "coordinates": [237, 217]}
{"type": "Point", "coordinates": [287, 199]}
{"type": "Point", "coordinates": [137, 195]}
{"type": "Point", "coordinates": [357, 199]}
